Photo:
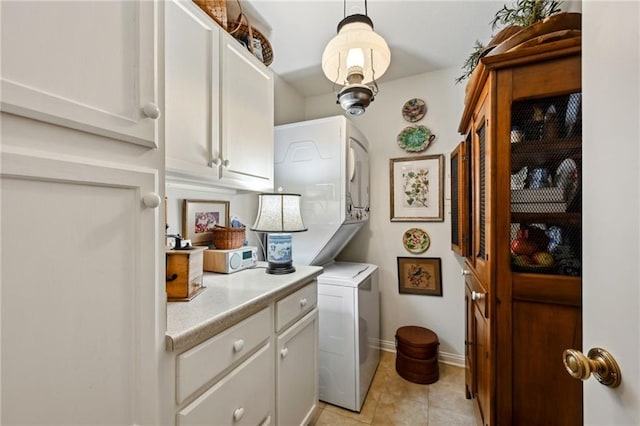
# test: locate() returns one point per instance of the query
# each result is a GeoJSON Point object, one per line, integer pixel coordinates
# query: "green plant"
{"type": "Point", "coordinates": [525, 12]}
{"type": "Point", "coordinates": [472, 61]}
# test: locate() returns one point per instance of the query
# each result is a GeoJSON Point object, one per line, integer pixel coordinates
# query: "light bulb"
{"type": "Point", "coordinates": [355, 58]}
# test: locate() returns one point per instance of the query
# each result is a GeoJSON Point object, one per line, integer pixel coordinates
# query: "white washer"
{"type": "Point", "coordinates": [349, 328]}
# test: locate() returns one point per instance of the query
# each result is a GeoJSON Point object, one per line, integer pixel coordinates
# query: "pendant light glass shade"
{"type": "Point", "coordinates": [356, 45]}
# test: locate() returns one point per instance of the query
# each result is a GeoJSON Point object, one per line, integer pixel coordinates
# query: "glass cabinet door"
{"type": "Point", "coordinates": [546, 196]}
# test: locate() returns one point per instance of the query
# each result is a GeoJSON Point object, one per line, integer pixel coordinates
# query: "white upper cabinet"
{"type": "Point", "coordinates": [220, 105]}
{"type": "Point", "coordinates": [247, 117]}
{"type": "Point", "coordinates": [85, 65]}
{"type": "Point", "coordinates": [191, 90]}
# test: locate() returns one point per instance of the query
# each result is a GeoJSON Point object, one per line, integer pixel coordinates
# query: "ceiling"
{"type": "Point", "coordinates": [423, 35]}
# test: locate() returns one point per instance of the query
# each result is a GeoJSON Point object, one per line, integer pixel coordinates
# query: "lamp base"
{"type": "Point", "coordinates": [280, 268]}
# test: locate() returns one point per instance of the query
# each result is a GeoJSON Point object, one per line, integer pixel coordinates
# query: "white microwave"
{"type": "Point", "coordinates": [229, 261]}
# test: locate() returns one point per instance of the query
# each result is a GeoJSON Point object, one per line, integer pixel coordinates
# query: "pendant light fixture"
{"type": "Point", "coordinates": [355, 58]}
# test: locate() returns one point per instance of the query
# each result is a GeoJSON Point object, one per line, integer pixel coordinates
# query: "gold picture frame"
{"type": "Point", "coordinates": [199, 217]}
{"type": "Point", "coordinates": [420, 275]}
{"type": "Point", "coordinates": [417, 188]}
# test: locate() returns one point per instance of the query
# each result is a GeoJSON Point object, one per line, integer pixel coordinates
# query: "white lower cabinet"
{"type": "Point", "coordinates": [297, 371]}
{"type": "Point", "coordinates": [261, 371]}
{"type": "Point", "coordinates": [242, 397]}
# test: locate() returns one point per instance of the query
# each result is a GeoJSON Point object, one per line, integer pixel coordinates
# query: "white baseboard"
{"type": "Point", "coordinates": [443, 357]}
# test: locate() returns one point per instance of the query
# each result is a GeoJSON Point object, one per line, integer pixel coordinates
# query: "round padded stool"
{"type": "Point", "coordinates": [417, 354]}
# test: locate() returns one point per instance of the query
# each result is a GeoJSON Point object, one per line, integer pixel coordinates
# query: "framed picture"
{"type": "Point", "coordinates": [420, 275]}
{"type": "Point", "coordinates": [417, 188]}
{"type": "Point", "coordinates": [199, 217]}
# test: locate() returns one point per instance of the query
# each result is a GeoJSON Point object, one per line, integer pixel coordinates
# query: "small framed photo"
{"type": "Point", "coordinates": [417, 188]}
{"type": "Point", "coordinates": [420, 275]}
{"type": "Point", "coordinates": [199, 218]}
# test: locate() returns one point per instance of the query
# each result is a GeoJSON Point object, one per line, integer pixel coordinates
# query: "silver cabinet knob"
{"type": "Point", "coordinates": [303, 302]}
{"type": "Point", "coordinates": [476, 296]}
{"type": "Point", "coordinates": [465, 272]}
{"type": "Point", "coordinates": [151, 200]}
{"type": "Point", "coordinates": [151, 111]}
{"type": "Point", "coordinates": [284, 352]}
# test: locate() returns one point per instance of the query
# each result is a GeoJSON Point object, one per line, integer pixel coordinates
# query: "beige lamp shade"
{"type": "Point", "coordinates": [279, 212]}
{"type": "Point", "coordinates": [342, 52]}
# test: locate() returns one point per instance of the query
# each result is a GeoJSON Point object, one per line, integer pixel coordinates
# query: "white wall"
{"type": "Point", "coordinates": [244, 205]}
{"type": "Point", "coordinates": [289, 103]}
{"type": "Point", "coordinates": [380, 242]}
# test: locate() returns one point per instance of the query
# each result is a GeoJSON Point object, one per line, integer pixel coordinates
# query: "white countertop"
{"type": "Point", "coordinates": [228, 299]}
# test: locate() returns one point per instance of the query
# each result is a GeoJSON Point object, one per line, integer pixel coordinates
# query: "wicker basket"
{"type": "Point", "coordinates": [228, 238]}
{"type": "Point", "coordinates": [242, 30]}
{"type": "Point", "coordinates": [217, 9]}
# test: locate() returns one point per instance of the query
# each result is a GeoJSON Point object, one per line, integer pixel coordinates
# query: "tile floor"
{"type": "Point", "coordinates": [393, 400]}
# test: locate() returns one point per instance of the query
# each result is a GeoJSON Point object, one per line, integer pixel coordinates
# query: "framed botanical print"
{"type": "Point", "coordinates": [417, 188]}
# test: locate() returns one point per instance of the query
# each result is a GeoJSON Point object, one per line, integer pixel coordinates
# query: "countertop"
{"type": "Point", "coordinates": [228, 299]}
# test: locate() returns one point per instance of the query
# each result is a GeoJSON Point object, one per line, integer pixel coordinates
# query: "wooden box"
{"type": "Point", "coordinates": [184, 273]}
{"type": "Point", "coordinates": [417, 354]}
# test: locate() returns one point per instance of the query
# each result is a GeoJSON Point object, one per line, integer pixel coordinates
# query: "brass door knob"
{"type": "Point", "coordinates": [598, 362]}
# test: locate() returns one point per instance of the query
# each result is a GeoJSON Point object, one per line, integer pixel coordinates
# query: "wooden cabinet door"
{"type": "Point", "coordinates": [460, 196]}
{"type": "Point", "coordinates": [85, 65]}
{"type": "Point", "coordinates": [246, 152]}
{"type": "Point", "coordinates": [478, 347]}
{"type": "Point", "coordinates": [82, 293]}
{"type": "Point", "coordinates": [482, 192]}
{"type": "Point", "coordinates": [297, 371]}
{"type": "Point", "coordinates": [192, 91]}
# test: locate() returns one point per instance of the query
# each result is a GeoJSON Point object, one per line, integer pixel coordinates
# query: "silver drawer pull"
{"type": "Point", "coordinates": [284, 352]}
{"type": "Point", "coordinates": [465, 272]}
{"type": "Point", "coordinates": [238, 345]}
{"type": "Point", "coordinates": [237, 414]}
{"type": "Point", "coordinates": [303, 302]}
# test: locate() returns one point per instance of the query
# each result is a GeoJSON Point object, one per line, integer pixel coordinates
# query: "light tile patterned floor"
{"type": "Point", "coordinates": [393, 400]}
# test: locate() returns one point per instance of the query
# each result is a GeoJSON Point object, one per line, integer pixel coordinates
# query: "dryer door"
{"type": "Point", "coordinates": [357, 181]}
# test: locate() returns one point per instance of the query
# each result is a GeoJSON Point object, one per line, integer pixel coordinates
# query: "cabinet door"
{"type": "Point", "coordinates": [81, 292]}
{"type": "Point", "coordinates": [84, 65]}
{"type": "Point", "coordinates": [460, 195]}
{"type": "Point", "coordinates": [482, 192]}
{"type": "Point", "coordinates": [246, 153]}
{"type": "Point", "coordinates": [297, 371]}
{"type": "Point", "coordinates": [192, 90]}
{"type": "Point", "coordinates": [477, 351]}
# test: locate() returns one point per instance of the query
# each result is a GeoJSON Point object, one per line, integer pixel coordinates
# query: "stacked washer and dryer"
{"type": "Point", "coordinates": [327, 162]}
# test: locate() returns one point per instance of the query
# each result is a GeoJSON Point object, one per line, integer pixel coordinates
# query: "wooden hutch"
{"type": "Point", "coordinates": [516, 193]}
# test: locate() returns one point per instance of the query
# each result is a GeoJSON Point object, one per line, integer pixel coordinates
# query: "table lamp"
{"type": "Point", "coordinates": [278, 216]}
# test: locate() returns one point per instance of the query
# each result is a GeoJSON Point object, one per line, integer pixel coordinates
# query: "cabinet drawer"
{"type": "Point", "coordinates": [243, 397]}
{"type": "Point", "coordinates": [479, 294]}
{"type": "Point", "coordinates": [202, 363]}
{"type": "Point", "coordinates": [295, 305]}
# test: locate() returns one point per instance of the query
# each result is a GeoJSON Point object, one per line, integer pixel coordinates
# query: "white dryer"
{"type": "Point", "coordinates": [349, 327]}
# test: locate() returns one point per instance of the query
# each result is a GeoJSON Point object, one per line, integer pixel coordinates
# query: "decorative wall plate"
{"type": "Point", "coordinates": [416, 240]}
{"type": "Point", "coordinates": [415, 138]}
{"type": "Point", "coordinates": [414, 110]}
